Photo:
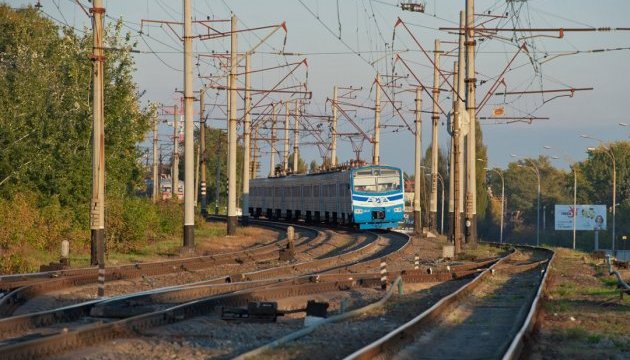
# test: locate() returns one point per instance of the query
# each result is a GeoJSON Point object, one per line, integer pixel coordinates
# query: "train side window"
{"type": "Point", "coordinates": [316, 190]}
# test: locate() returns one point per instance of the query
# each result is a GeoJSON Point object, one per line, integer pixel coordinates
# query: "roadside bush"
{"type": "Point", "coordinates": [171, 218]}
{"type": "Point", "coordinates": [130, 223]}
{"type": "Point", "coordinates": [26, 229]}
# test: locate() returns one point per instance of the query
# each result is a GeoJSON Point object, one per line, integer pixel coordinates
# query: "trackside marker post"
{"type": "Point", "coordinates": [383, 275]}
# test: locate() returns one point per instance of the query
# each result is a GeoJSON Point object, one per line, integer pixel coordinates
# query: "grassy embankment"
{"type": "Point", "coordinates": [583, 316]}
{"type": "Point", "coordinates": [136, 231]}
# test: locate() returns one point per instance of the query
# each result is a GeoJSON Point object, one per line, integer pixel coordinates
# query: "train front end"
{"type": "Point", "coordinates": [377, 197]}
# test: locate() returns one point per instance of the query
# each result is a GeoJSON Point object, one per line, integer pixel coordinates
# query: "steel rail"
{"type": "Point", "coordinates": [28, 289]}
{"type": "Point", "coordinates": [94, 333]}
{"type": "Point", "coordinates": [518, 343]}
{"type": "Point", "coordinates": [171, 294]}
{"type": "Point", "coordinates": [403, 334]}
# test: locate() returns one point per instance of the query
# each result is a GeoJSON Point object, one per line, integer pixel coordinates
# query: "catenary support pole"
{"type": "Point", "coordinates": [463, 127]}
{"type": "Point", "coordinates": [377, 123]}
{"type": "Point", "coordinates": [189, 141]}
{"type": "Point", "coordinates": [175, 161]}
{"type": "Point", "coordinates": [255, 155]}
{"type": "Point", "coordinates": [217, 175]}
{"type": "Point", "coordinates": [156, 175]}
{"type": "Point", "coordinates": [272, 142]}
{"type": "Point", "coordinates": [457, 230]}
{"type": "Point", "coordinates": [471, 108]}
{"type": "Point", "coordinates": [457, 223]}
{"type": "Point", "coordinates": [435, 118]}
{"type": "Point", "coordinates": [203, 153]}
{"type": "Point", "coordinates": [417, 211]}
{"type": "Point", "coordinates": [574, 201]}
{"type": "Point", "coordinates": [333, 131]}
{"type": "Point", "coordinates": [232, 220]}
{"type": "Point", "coordinates": [97, 206]}
{"type": "Point", "coordinates": [285, 153]}
{"type": "Point", "coordinates": [246, 142]}
{"type": "Point", "coordinates": [451, 190]}
{"type": "Point", "coordinates": [296, 137]}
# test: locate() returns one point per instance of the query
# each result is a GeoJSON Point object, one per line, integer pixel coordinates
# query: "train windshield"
{"type": "Point", "coordinates": [377, 180]}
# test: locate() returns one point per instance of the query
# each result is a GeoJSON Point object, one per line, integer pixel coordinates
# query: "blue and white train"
{"type": "Point", "coordinates": [368, 197]}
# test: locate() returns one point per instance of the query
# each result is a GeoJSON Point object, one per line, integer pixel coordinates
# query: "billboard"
{"type": "Point", "coordinates": [587, 217]}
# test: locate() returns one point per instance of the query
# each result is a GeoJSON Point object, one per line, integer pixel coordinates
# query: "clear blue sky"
{"type": "Point", "coordinates": [366, 28]}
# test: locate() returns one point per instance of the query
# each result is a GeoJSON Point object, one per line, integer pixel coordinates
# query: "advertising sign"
{"type": "Point", "coordinates": [587, 217]}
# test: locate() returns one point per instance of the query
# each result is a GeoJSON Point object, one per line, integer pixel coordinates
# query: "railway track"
{"type": "Point", "coordinates": [52, 331]}
{"type": "Point", "coordinates": [485, 319]}
{"type": "Point", "coordinates": [24, 287]}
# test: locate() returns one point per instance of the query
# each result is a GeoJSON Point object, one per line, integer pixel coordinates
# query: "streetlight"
{"type": "Point", "coordinates": [536, 171]}
{"type": "Point", "coordinates": [610, 153]}
{"type": "Point", "coordinates": [441, 183]}
{"type": "Point", "coordinates": [573, 168]}
{"type": "Point", "coordinates": [500, 173]}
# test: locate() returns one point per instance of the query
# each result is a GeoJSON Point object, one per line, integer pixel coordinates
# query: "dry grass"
{"type": "Point", "coordinates": [211, 237]}
{"type": "Point", "coordinates": [583, 315]}
{"type": "Point", "coordinates": [480, 252]}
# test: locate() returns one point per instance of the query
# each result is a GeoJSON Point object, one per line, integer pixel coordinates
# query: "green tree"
{"type": "Point", "coordinates": [216, 152]}
{"type": "Point", "coordinates": [301, 164]}
{"type": "Point", "coordinates": [45, 111]}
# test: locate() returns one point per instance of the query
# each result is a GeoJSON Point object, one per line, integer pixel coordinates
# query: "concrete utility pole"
{"type": "Point", "coordinates": [255, 153]}
{"type": "Point", "coordinates": [333, 131]}
{"type": "Point", "coordinates": [217, 179]}
{"type": "Point", "coordinates": [463, 127]}
{"type": "Point", "coordinates": [189, 141]}
{"type": "Point", "coordinates": [232, 222]}
{"type": "Point", "coordinates": [471, 108]}
{"type": "Point", "coordinates": [156, 175]}
{"type": "Point", "coordinates": [246, 142]}
{"type": "Point", "coordinates": [417, 211]}
{"type": "Point", "coordinates": [296, 137]}
{"type": "Point", "coordinates": [377, 123]}
{"type": "Point", "coordinates": [272, 152]}
{"type": "Point", "coordinates": [202, 153]}
{"type": "Point", "coordinates": [457, 222]}
{"type": "Point", "coordinates": [175, 161]}
{"type": "Point", "coordinates": [435, 147]}
{"type": "Point", "coordinates": [451, 189]}
{"type": "Point", "coordinates": [285, 154]}
{"type": "Point", "coordinates": [97, 207]}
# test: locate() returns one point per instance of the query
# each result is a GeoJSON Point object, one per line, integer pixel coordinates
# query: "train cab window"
{"type": "Point", "coordinates": [388, 183]}
{"type": "Point", "coordinates": [365, 183]}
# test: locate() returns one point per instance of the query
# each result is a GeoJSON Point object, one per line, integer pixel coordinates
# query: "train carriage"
{"type": "Point", "coordinates": [369, 197]}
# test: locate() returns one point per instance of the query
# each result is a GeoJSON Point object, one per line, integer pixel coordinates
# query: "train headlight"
{"type": "Point", "coordinates": [358, 211]}
{"type": "Point", "coordinates": [398, 209]}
